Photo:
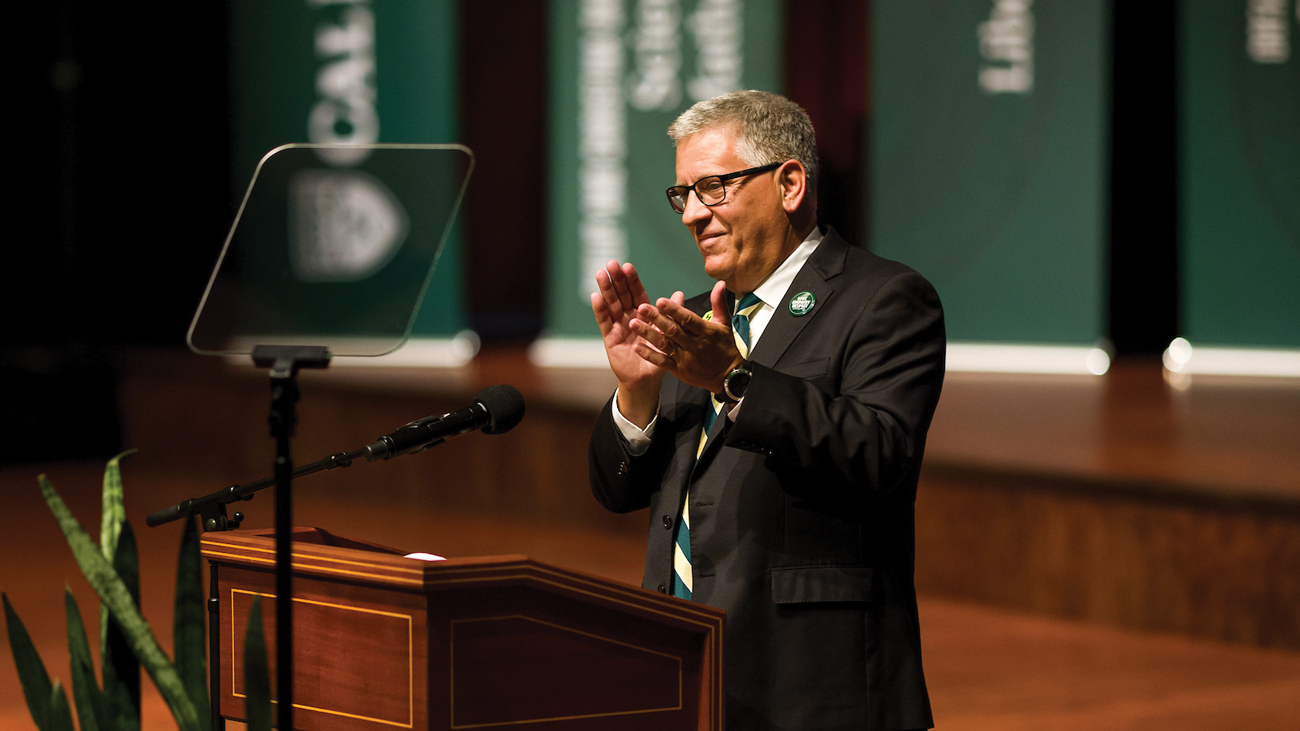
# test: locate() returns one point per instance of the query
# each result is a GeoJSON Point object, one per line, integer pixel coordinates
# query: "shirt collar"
{"type": "Point", "coordinates": [774, 287]}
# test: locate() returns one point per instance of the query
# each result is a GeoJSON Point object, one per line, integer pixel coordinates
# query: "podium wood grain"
{"type": "Point", "coordinates": [382, 641]}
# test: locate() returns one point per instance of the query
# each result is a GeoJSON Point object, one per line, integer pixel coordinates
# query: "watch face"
{"type": "Point", "coordinates": [735, 383]}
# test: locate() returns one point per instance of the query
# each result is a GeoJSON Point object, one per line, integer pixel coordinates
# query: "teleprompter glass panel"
{"type": "Point", "coordinates": [332, 246]}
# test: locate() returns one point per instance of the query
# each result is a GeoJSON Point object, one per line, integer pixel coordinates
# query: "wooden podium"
{"type": "Point", "coordinates": [501, 642]}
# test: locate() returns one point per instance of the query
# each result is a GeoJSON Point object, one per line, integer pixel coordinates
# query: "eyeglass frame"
{"type": "Point", "coordinates": [721, 179]}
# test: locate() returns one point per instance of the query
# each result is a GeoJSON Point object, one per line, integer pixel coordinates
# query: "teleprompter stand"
{"type": "Point", "coordinates": [284, 361]}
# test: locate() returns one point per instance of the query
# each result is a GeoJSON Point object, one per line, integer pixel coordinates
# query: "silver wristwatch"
{"type": "Point", "coordinates": [734, 385]}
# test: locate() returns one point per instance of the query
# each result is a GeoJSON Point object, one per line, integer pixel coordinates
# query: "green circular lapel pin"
{"type": "Point", "coordinates": [802, 303]}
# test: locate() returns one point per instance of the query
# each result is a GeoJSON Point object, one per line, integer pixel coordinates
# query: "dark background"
{"type": "Point", "coordinates": [121, 136]}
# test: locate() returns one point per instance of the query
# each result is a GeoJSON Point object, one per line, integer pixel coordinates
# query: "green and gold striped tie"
{"type": "Point", "coordinates": [682, 580]}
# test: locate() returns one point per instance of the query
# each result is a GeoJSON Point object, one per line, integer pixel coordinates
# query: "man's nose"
{"type": "Point", "coordinates": [695, 210]}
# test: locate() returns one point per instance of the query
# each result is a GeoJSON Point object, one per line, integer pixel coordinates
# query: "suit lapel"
{"type": "Point", "coordinates": [826, 262]}
{"type": "Point", "coordinates": [815, 277]}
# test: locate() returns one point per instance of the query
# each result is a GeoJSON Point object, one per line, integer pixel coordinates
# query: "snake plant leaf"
{"type": "Point", "coordinates": [37, 688]}
{"type": "Point", "coordinates": [86, 695]}
{"type": "Point", "coordinates": [113, 593]}
{"type": "Point", "coordinates": [112, 516]}
{"type": "Point", "coordinates": [188, 626]}
{"type": "Point", "coordinates": [121, 667]}
{"type": "Point", "coordinates": [257, 674]}
{"type": "Point", "coordinates": [114, 511]}
{"type": "Point", "coordinates": [60, 711]}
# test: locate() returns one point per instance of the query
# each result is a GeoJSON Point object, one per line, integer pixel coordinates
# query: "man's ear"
{"type": "Point", "coordinates": [793, 180]}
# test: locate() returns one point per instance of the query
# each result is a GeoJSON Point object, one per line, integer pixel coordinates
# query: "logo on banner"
{"type": "Point", "coordinates": [344, 225]}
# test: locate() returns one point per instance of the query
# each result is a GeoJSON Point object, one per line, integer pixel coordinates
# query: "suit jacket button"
{"type": "Point", "coordinates": [663, 589]}
{"type": "Point", "coordinates": [668, 521]}
{"type": "Point", "coordinates": [622, 469]}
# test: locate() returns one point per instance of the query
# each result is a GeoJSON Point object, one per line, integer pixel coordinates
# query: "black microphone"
{"type": "Point", "coordinates": [496, 410]}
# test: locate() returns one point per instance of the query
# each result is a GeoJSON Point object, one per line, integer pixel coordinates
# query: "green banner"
{"type": "Point", "coordinates": [349, 71]}
{"type": "Point", "coordinates": [1240, 73]}
{"type": "Point", "coordinates": [621, 72]}
{"type": "Point", "coordinates": [987, 161]}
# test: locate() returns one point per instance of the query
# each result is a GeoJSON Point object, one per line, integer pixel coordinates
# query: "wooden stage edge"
{"type": "Point", "coordinates": [1116, 499]}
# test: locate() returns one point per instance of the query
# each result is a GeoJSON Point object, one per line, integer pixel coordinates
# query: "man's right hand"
{"type": "Point", "coordinates": [615, 305]}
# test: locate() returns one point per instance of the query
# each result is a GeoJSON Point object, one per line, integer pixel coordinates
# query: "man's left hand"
{"type": "Point", "coordinates": [699, 352]}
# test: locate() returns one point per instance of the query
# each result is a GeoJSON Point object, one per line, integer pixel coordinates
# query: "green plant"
{"type": "Point", "coordinates": [126, 640]}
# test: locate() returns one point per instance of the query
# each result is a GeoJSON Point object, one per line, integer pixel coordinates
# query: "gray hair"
{"type": "Point", "coordinates": [768, 127]}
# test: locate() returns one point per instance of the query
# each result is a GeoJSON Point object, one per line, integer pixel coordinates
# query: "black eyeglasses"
{"type": "Point", "coordinates": [710, 190]}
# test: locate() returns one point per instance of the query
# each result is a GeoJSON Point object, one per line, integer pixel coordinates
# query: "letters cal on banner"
{"type": "Point", "coordinates": [354, 71]}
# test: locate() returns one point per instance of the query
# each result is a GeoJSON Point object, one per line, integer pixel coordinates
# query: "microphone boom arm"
{"type": "Point", "coordinates": [212, 507]}
{"type": "Point", "coordinates": [496, 409]}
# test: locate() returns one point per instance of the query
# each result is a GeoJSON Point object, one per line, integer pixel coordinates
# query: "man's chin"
{"type": "Point", "coordinates": [716, 270]}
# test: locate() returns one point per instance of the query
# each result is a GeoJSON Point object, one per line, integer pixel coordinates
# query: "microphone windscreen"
{"type": "Point", "coordinates": [505, 406]}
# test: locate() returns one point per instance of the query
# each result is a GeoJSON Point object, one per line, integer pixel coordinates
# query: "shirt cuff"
{"type": "Point", "coordinates": [638, 439]}
{"type": "Point", "coordinates": [734, 411]}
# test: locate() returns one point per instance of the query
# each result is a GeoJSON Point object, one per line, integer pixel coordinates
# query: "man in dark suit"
{"type": "Point", "coordinates": [777, 438]}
